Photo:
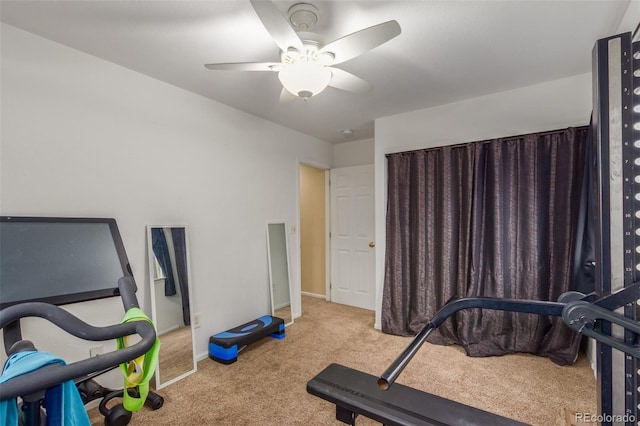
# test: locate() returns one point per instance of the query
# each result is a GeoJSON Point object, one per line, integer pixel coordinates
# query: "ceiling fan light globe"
{"type": "Point", "coordinates": [305, 79]}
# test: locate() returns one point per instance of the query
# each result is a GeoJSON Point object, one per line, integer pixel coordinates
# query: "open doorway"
{"type": "Point", "coordinates": [313, 232]}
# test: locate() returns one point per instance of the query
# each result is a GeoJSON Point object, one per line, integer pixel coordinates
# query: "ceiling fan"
{"type": "Point", "coordinates": [306, 66]}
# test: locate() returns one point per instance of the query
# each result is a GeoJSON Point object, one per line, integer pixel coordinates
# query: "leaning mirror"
{"type": "Point", "coordinates": [279, 277]}
{"type": "Point", "coordinates": [171, 302]}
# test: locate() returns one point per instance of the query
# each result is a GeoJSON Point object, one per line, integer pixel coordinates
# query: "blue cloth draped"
{"type": "Point", "coordinates": [63, 402]}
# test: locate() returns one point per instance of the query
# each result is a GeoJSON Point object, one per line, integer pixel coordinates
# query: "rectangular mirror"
{"type": "Point", "coordinates": [171, 302]}
{"type": "Point", "coordinates": [279, 276]}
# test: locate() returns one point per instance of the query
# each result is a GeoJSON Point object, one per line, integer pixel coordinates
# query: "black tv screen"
{"type": "Point", "coordinates": [59, 260]}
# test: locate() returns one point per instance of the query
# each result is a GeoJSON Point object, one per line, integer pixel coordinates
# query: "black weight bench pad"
{"type": "Point", "coordinates": [354, 392]}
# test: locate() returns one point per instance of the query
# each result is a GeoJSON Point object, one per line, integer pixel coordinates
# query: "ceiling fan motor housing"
{"type": "Point", "coordinates": [303, 16]}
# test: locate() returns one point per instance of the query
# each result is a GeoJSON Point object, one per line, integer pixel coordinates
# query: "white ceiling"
{"type": "Point", "coordinates": [448, 50]}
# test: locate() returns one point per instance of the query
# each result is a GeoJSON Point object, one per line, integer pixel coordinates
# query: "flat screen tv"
{"type": "Point", "coordinates": [59, 260]}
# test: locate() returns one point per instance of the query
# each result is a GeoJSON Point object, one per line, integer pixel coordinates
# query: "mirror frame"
{"type": "Point", "coordinates": [154, 309]}
{"type": "Point", "coordinates": [286, 248]}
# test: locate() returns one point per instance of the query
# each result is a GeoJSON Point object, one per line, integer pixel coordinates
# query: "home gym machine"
{"type": "Point", "coordinates": [609, 316]}
{"type": "Point", "coordinates": [31, 386]}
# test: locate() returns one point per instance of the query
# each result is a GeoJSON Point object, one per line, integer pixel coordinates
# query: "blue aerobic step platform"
{"type": "Point", "coordinates": [224, 347]}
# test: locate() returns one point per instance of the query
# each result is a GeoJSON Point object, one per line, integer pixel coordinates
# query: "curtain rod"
{"type": "Point", "coordinates": [460, 145]}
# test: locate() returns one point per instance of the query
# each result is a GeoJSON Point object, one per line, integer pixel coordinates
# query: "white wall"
{"type": "Point", "coordinates": [354, 153]}
{"type": "Point", "coordinates": [84, 137]}
{"type": "Point", "coordinates": [631, 18]}
{"type": "Point", "coordinates": [548, 106]}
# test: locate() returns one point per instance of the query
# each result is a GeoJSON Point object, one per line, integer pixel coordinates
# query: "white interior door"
{"type": "Point", "coordinates": [352, 232]}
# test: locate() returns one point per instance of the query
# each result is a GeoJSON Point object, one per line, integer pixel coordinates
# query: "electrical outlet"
{"type": "Point", "coordinates": [196, 320]}
{"type": "Point", "coordinates": [96, 350]}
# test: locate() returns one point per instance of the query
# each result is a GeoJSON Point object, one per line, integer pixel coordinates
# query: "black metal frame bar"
{"type": "Point", "coordinates": [613, 83]}
{"type": "Point", "coordinates": [600, 122]}
{"type": "Point", "coordinates": [632, 117]}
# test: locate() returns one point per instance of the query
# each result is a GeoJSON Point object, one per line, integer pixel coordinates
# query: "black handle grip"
{"type": "Point", "coordinates": [128, 289]}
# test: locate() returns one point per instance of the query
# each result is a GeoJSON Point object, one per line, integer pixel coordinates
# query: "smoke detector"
{"type": "Point", "coordinates": [303, 16]}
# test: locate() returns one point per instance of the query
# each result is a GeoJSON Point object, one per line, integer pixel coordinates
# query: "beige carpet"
{"type": "Point", "coordinates": [267, 385]}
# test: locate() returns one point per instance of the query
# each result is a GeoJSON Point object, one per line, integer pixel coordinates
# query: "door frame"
{"type": "Point", "coordinates": [327, 221]}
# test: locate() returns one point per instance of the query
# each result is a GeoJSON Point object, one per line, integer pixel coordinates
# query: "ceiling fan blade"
{"type": "Point", "coordinates": [287, 97]}
{"type": "Point", "coordinates": [357, 43]}
{"type": "Point", "coordinates": [344, 80]}
{"type": "Point", "coordinates": [245, 66]}
{"type": "Point", "coordinates": [277, 25]}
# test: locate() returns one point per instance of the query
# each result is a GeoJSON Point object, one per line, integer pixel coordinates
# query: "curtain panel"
{"type": "Point", "coordinates": [494, 218]}
{"type": "Point", "coordinates": [161, 251]}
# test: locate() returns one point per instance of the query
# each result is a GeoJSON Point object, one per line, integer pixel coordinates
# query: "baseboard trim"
{"type": "Point", "coordinates": [318, 296]}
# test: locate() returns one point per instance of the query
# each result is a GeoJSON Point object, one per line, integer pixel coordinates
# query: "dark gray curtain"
{"type": "Point", "coordinates": [161, 251]}
{"type": "Point", "coordinates": [180, 248]}
{"type": "Point", "coordinates": [494, 218]}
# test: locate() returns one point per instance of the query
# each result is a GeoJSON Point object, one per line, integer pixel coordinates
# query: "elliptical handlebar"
{"type": "Point", "coordinates": [55, 374]}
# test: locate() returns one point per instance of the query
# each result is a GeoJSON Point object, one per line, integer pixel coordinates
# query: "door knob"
{"type": "Point", "coordinates": [372, 244]}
